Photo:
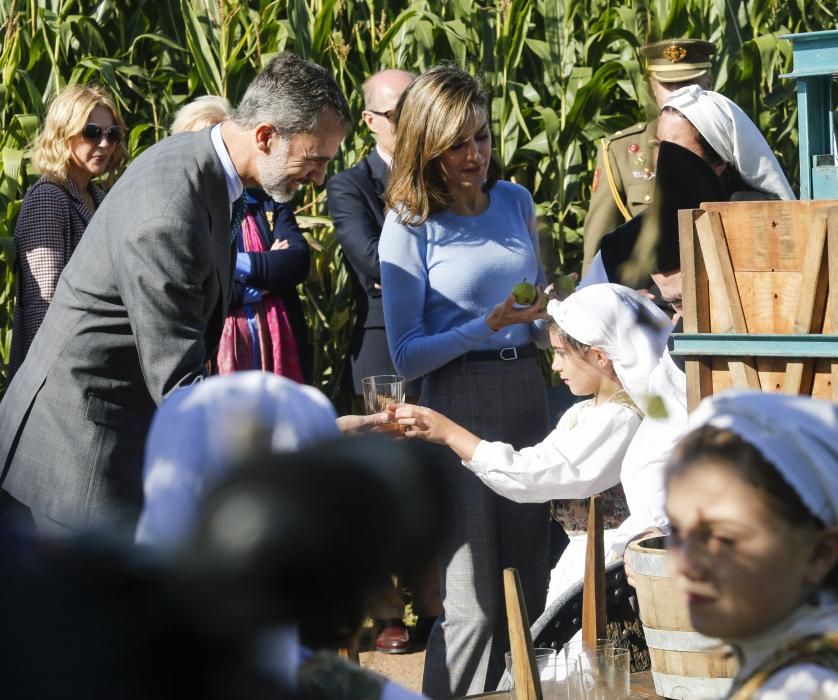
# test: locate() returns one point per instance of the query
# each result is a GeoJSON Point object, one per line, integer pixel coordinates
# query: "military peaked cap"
{"type": "Point", "coordinates": [677, 60]}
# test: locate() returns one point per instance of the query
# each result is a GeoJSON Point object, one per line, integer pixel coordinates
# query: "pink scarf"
{"type": "Point", "coordinates": [277, 349]}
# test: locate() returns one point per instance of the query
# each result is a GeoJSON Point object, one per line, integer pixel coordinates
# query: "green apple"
{"type": "Point", "coordinates": [524, 293]}
{"type": "Point", "coordinates": [565, 284]}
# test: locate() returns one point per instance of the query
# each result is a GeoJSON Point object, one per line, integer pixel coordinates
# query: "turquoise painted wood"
{"type": "Point", "coordinates": [753, 345]}
{"type": "Point", "coordinates": [815, 68]}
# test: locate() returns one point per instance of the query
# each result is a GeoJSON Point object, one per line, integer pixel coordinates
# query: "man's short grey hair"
{"type": "Point", "coordinates": [291, 94]}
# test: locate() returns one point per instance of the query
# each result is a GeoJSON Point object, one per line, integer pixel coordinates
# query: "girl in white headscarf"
{"type": "Point", "coordinates": [752, 495]}
{"type": "Point", "coordinates": [734, 138]}
{"type": "Point", "coordinates": [607, 339]}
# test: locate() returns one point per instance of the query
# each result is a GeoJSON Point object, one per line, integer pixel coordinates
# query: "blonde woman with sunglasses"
{"type": "Point", "coordinates": [80, 141]}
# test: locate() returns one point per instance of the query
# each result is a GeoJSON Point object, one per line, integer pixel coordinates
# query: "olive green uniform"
{"type": "Point", "coordinates": [630, 154]}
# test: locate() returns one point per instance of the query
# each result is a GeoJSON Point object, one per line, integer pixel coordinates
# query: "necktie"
{"type": "Point", "coordinates": [239, 210]}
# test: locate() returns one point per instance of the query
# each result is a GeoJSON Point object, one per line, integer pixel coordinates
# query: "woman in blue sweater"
{"type": "Point", "coordinates": [454, 243]}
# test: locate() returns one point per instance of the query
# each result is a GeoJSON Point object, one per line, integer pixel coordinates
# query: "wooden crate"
{"type": "Point", "coordinates": [760, 291]}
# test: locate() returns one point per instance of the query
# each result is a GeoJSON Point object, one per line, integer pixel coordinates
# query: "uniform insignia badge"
{"type": "Point", "coordinates": [596, 181]}
{"type": "Point", "coordinates": [269, 216]}
{"type": "Point", "coordinates": [644, 174]}
{"type": "Point", "coordinates": [641, 158]}
{"type": "Point", "coordinates": [674, 53]}
{"type": "Point", "coordinates": [634, 148]}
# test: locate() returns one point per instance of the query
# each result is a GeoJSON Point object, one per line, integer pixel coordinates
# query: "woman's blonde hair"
{"type": "Point", "coordinates": [435, 112]}
{"type": "Point", "coordinates": [66, 117]}
{"type": "Point", "coordinates": [202, 112]}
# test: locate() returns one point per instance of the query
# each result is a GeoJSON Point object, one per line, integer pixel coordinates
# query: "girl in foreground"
{"type": "Point", "coordinates": [752, 495]}
{"type": "Point", "coordinates": [607, 339]}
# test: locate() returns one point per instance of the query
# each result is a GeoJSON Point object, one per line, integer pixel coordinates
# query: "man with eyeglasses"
{"type": "Point", "coordinates": [140, 307]}
{"type": "Point", "coordinates": [356, 206]}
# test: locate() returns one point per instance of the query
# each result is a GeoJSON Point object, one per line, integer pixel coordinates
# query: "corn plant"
{"type": "Point", "coordinates": [560, 74]}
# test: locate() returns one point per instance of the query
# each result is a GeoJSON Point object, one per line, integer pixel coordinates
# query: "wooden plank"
{"type": "Point", "coordinates": [717, 262]}
{"type": "Point", "coordinates": [832, 256]}
{"type": "Point", "coordinates": [813, 285]}
{"type": "Point", "coordinates": [524, 671]}
{"type": "Point", "coordinates": [769, 300]}
{"type": "Point", "coordinates": [690, 292]}
{"type": "Point", "coordinates": [769, 235]}
{"type": "Point", "coordinates": [593, 589]}
{"type": "Point", "coordinates": [696, 305]}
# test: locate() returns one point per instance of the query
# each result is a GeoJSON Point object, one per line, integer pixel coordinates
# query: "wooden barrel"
{"type": "Point", "coordinates": [686, 665]}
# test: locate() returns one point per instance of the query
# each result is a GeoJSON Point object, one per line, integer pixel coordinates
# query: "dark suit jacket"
{"type": "Point", "coordinates": [136, 313]}
{"type": "Point", "coordinates": [356, 206]}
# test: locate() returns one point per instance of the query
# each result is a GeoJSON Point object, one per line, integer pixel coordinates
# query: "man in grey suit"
{"type": "Point", "coordinates": [140, 307]}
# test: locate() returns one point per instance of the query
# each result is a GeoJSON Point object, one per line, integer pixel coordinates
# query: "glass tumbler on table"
{"type": "Point", "coordinates": [603, 675]}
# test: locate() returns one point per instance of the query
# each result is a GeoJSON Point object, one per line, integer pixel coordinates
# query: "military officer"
{"type": "Point", "coordinates": [623, 183]}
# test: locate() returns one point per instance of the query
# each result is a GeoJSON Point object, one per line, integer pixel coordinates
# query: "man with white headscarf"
{"type": "Point", "coordinates": [731, 161]}
{"type": "Point", "coordinates": [734, 138]}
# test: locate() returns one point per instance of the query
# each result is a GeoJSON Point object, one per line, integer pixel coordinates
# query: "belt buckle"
{"type": "Point", "coordinates": [513, 356]}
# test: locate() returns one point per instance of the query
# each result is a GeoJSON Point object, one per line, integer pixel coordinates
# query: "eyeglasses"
{"type": "Point", "coordinates": [93, 132]}
{"type": "Point", "coordinates": [388, 115]}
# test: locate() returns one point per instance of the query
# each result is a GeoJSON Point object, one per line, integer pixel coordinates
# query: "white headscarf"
{"type": "Point", "coordinates": [798, 435]}
{"type": "Point", "coordinates": [733, 136]}
{"type": "Point", "coordinates": [629, 328]}
{"type": "Point", "coordinates": [199, 430]}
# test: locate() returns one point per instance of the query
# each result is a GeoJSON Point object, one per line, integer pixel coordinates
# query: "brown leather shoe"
{"type": "Point", "coordinates": [393, 638]}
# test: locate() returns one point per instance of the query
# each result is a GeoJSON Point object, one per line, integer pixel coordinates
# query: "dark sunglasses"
{"type": "Point", "coordinates": [388, 115]}
{"type": "Point", "coordinates": [93, 132]}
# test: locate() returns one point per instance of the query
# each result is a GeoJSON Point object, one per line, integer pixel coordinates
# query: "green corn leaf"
{"type": "Point", "coordinates": [204, 56]}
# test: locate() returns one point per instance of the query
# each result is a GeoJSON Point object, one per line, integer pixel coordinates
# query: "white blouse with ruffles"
{"type": "Point", "coordinates": [580, 457]}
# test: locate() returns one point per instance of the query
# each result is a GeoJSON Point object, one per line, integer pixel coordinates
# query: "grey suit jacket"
{"type": "Point", "coordinates": [136, 313]}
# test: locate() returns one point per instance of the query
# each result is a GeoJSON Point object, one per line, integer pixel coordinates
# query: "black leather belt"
{"type": "Point", "coordinates": [510, 353]}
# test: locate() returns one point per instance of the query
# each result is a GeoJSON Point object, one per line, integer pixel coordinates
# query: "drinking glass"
{"type": "Point", "coordinates": [603, 675]}
{"type": "Point", "coordinates": [545, 663]}
{"type": "Point", "coordinates": [567, 678]}
{"type": "Point", "coordinates": [574, 648]}
{"type": "Point", "coordinates": [381, 390]}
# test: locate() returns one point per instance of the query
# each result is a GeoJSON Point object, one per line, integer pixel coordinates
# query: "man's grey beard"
{"type": "Point", "coordinates": [272, 174]}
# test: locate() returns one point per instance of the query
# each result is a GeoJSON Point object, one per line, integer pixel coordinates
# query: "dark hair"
{"type": "Point", "coordinates": [709, 443]}
{"type": "Point", "coordinates": [568, 342]}
{"type": "Point", "coordinates": [291, 94]}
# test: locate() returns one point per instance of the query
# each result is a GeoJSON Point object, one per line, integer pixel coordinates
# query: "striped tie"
{"type": "Point", "coordinates": [239, 210]}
